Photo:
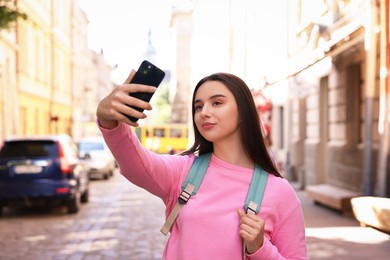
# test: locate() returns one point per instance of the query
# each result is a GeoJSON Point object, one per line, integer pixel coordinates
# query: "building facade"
{"type": "Point", "coordinates": [324, 66]}
{"type": "Point", "coordinates": [181, 25]}
{"type": "Point", "coordinates": [81, 66]}
{"type": "Point", "coordinates": [48, 74]}
{"type": "Point", "coordinates": [44, 67]}
{"type": "Point", "coordinates": [8, 84]}
{"type": "Point", "coordinates": [338, 105]}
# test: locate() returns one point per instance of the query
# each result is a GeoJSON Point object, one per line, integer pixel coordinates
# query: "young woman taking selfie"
{"type": "Point", "coordinates": [213, 224]}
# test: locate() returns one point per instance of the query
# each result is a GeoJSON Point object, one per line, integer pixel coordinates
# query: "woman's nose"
{"type": "Point", "coordinates": [206, 111]}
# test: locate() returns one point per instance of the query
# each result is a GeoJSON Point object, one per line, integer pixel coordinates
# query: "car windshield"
{"type": "Point", "coordinates": [91, 146]}
{"type": "Point", "coordinates": [29, 149]}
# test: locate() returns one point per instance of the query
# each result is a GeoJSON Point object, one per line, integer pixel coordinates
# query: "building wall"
{"type": "Point", "coordinates": [47, 71]}
{"type": "Point", "coordinates": [81, 67]}
{"type": "Point", "coordinates": [181, 23]}
{"type": "Point", "coordinates": [44, 58]}
{"type": "Point", "coordinates": [8, 84]}
{"type": "Point", "coordinates": [295, 161]}
{"type": "Point", "coordinates": [34, 66]}
{"type": "Point", "coordinates": [61, 90]}
{"type": "Point", "coordinates": [332, 89]}
{"type": "Point", "coordinates": [346, 121]}
{"type": "Point", "coordinates": [98, 86]}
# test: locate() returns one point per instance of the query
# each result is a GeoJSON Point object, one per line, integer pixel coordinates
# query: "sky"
{"type": "Point", "coordinates": [120, 28]}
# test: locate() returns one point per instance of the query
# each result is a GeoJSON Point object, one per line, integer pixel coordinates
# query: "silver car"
{"type": "Point", "coordinates": [101, 162]}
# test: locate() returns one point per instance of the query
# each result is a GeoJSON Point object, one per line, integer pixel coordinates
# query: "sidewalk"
{"type": "Point", "coordinates": [330, 235]}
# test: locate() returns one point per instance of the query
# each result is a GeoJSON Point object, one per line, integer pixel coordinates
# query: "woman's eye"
{"type": "Point", "coordinates": [217, 103]}
{"type": "Point", "coordinates": [198, 108]}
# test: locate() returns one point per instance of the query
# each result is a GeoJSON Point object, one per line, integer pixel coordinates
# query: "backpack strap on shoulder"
{"type": "Point", "coordinates": [256, 190]}
{"type": "Point", "coordinates": [189, 188]}
{"type": "Point", "coordinates": [255, 196]}
{"type": "Point", "coordinates": [197, 172]}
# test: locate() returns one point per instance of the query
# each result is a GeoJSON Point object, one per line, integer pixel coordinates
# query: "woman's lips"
{"type": "Point", "coordinates": [207, 126]}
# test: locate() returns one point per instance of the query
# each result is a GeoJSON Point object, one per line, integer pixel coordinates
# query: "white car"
{"type": "Point", "coordinates": [101, 162]}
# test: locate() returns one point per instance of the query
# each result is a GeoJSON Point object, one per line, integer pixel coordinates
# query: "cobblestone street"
{"type": "Point", "coordinates": [119, 222]}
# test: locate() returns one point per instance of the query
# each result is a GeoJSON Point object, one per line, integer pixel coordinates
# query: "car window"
{"type": "Point", "coordinates": [91, 146]}
{"type": "Point", "coordinates": [29, 149]}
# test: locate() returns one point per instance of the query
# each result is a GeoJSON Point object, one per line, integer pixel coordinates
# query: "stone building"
{"type": "Point", "coordinates": [336, 118]}
{"type": "Point", "coordinates": [47, 71]}
{"type": "Point", "coordinates": [181, 25]}
{"type": "Point", "coordinates": [44, 67]}
{"type": "Point", "coordinates": [330, 102]}
{"type": "Point", "coordinates": [8, 84]}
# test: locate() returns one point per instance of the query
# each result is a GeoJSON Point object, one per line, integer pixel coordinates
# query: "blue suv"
{"type": "Point", "coordinates": [42, 171]}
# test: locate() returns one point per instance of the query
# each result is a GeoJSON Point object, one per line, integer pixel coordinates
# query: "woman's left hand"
{"type": "Point", "coordinates": [251, 231]}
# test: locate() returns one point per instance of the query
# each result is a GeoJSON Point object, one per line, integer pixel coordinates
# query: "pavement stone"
{"type": "Point", "coordinates": [122, 221]}
{"type": "Point", "coordinates": [332, 235]}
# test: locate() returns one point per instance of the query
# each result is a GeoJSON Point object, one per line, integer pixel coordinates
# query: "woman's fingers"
{"type": "Point", "coordinates": [113, 108]}
{"type": "Point", "coordinates": [130, 77]}
{"type": "Point", "coordinates": [251, 230]}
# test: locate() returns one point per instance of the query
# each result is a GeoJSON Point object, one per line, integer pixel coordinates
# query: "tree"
{"type": "Point", "coordinates": [9, 14]}
{"type": "Point", "coordinates": [163, 106]}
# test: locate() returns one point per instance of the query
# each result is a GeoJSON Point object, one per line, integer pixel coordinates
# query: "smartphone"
{"type": "Point", "coordinates": [147, 74]}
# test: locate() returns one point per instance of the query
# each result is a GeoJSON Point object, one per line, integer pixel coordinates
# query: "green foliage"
{"type": "Point", "coordinates": [9, 14]}
{"type": "Point", "coordinates": [163, 106]}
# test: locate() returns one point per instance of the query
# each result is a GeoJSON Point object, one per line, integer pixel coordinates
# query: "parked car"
{"type": "Point", "coordinates": [42, 171]}
{"type": "Point", "coordinates": [101, 162]}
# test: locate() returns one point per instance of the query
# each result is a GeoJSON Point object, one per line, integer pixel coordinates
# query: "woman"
{"type": "Point", "coordinates": [213, 224]}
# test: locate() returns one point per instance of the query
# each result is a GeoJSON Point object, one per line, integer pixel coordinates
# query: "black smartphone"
{"type": "Point", "coordinates": [147, 74]}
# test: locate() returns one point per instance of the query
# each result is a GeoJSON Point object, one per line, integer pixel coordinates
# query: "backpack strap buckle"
{"type": "Point", "coordinates": [184, 196]}
{"type": "Point", "coordinates": [252, 207]}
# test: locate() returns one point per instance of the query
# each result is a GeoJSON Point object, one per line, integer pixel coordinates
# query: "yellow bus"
{"type": "Point", "coordinates": [164, 138]}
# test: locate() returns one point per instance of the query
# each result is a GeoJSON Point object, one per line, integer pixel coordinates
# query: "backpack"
{"type": "Point", "coordinates": [194, 178]}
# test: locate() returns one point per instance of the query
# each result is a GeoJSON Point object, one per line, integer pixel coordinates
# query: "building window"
{"type": "Point", "coordinates": [353, 113]}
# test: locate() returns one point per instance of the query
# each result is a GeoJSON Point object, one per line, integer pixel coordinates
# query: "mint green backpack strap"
{"type": "Point", "coordinates": [189, 188]}
{"type": "Point", "coordinates": [256, 190]}
{"type": "Point", "coordinates": [195, 177]}
{"type": "Point", "coordinates": [255, 196]}
{"type": "Point", "coordinates": [197, 172]}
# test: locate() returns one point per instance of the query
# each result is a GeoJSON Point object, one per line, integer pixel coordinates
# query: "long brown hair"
{"type": "Point", "coordinates": [251, 134]}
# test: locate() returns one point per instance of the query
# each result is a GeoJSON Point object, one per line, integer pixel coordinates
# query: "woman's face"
{"type": "Point", "coordinates": [216, 113]}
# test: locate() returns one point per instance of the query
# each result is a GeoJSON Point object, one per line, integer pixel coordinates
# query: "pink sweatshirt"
{"type": "Point", "coordinates": [207, 226]}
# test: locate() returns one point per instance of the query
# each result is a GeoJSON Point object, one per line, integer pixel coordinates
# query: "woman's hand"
{"type": "Point", "coordinates": [113, 108]}
{"type": "Point", "coordinates": [251, 231]}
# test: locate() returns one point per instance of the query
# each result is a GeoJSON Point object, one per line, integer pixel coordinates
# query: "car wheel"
{"type": "Point", "coordinates": [74, 204]}
{"type": "Point", "coordinates": [85, 196]}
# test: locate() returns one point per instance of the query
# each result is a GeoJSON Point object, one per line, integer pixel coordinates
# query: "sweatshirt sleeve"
{"type": "Point", "coordinates": [158, 174]}
{"type": "Point", "coordinates": [287, 240]}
